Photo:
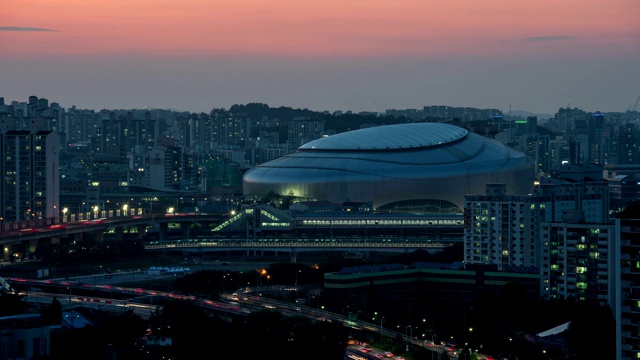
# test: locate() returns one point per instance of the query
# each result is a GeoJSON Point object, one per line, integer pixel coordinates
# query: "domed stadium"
{"type": "Point", "coordinates": [424, 168]}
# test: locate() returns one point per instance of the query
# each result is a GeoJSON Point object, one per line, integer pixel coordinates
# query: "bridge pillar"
{"type": "Point", "coordinates": [99, 236]}
{"type": "Point", "coordinates": [294, 257]}
{"type": "Point", "coordinates": [184, 227]}
{"type": "Point", "coordinates": [163, 230]}
{"type": "Point", "coordinates": [6, 252]}
{"type": "Point", "coordinates": [119, 232]}
{"type": "Point", "coordinates": [32, 246]}
{"type": "Point", "coordinates": [256, 252]}
{"type": "Point", "coordinates": [142, 229]}
{"type": "Point", "coordinates": [77, 237]}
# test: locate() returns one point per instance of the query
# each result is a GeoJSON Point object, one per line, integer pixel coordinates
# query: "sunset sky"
{"type": "Point", "coordinates": [372, 55]}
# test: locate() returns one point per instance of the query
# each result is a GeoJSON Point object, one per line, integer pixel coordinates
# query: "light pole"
{"type": "Point", "coordinates": [269, 288]}
{"type": "Point", "coordinates": [224, 283]}
{"type": "Point", "coordinates": [296, 284]}
{"type": "Point", "coordinates": [433, 341]}
{"type": "Point", "coordinates": [381, 333]}
{"type": "Point", "coordinates": [260, 273]}
{"type": "Point", "coordinates": [124, 209]}
{"type": "Point", "coordinates": [64, 214]}
{"type": "Point", "coordinates": [406, 337]}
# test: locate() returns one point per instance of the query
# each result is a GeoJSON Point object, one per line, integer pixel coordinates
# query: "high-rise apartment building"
{"type": "Point", "coordinates": [501, 229]}
{"type": "Point", "coordinates": [504, 230]}
{"type": "Point", "coordinates": [302, 131]}
{"type": "Point", "coordinates": [628, 145]}
{"type": "Point", "coordinates": [577, 261]}
{"type": "Point", "coordinates": [559, 153]}
{"type": "Point", "coordinates": [30, 168]}
{"type": "Point", "coordinates": [230, 129]}
{"type": "Point", "coordinates": [627, 268]}
{"type": "Point", "coordinates": [165, 171]}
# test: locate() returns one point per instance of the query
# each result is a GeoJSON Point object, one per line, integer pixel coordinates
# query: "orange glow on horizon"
{"type": "Point", "coordinates": [328, 28]}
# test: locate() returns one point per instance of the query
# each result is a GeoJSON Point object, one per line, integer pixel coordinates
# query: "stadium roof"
{"type": "Point", "coordinates": [400, 136]}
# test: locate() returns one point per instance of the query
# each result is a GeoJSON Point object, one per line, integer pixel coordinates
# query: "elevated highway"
{"type": "Point", "coordinates": [254, 229]}
{"type": "Point", "coordinates": [293, 247]}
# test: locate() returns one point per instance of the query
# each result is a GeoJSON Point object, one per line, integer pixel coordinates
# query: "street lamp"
{"type": "Point", "coordinates": [269, 288]}
{"type": "Point", "coordinates": [95, 211]}
{"type": "Point", "coordinates": [296, 284]}
{"type": "Point", "coordinates": [64, 214]}
{"type": "Point", "coordinates": [124, 209]}
{"type": "Point", "coordinates": [259, 273]}
{"type": "Point", "coordinates": [224, 283]}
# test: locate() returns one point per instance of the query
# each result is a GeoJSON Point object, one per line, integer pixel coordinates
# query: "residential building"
{"type": "Point", "coordinates": [627, 305]}
{"type": "Point", "coordinates": [30, 168]}
{"type": "Point", "coordinates": [577, 261]}
{"type": "Point", "coordinates": [24, 337]}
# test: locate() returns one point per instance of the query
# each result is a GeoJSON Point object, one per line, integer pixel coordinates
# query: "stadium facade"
{"type": "Point", "coordinates": [414, 167]}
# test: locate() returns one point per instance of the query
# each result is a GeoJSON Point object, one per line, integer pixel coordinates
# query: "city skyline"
{"type": "Point", "coordinates": [196, 55]}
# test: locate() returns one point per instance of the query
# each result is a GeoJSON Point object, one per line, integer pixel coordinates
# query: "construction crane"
{"type": "Point", "coordinates": [634, 106]}
{"type": "Point", "coordinates": [629, 114]}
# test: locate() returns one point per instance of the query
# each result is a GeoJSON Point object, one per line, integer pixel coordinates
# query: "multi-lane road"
{"type": "Point", "coordinates": [98, 291]}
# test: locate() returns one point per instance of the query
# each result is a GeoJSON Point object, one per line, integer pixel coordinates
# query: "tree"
{"type": "Point", "coordinates": [444, 355]}
{"type": "Point", "coordinates": [52, 314]}
{"type": "Point", "coordinates": [123, 333]}
{"type": "Point", "coordinates": [10, 304]}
